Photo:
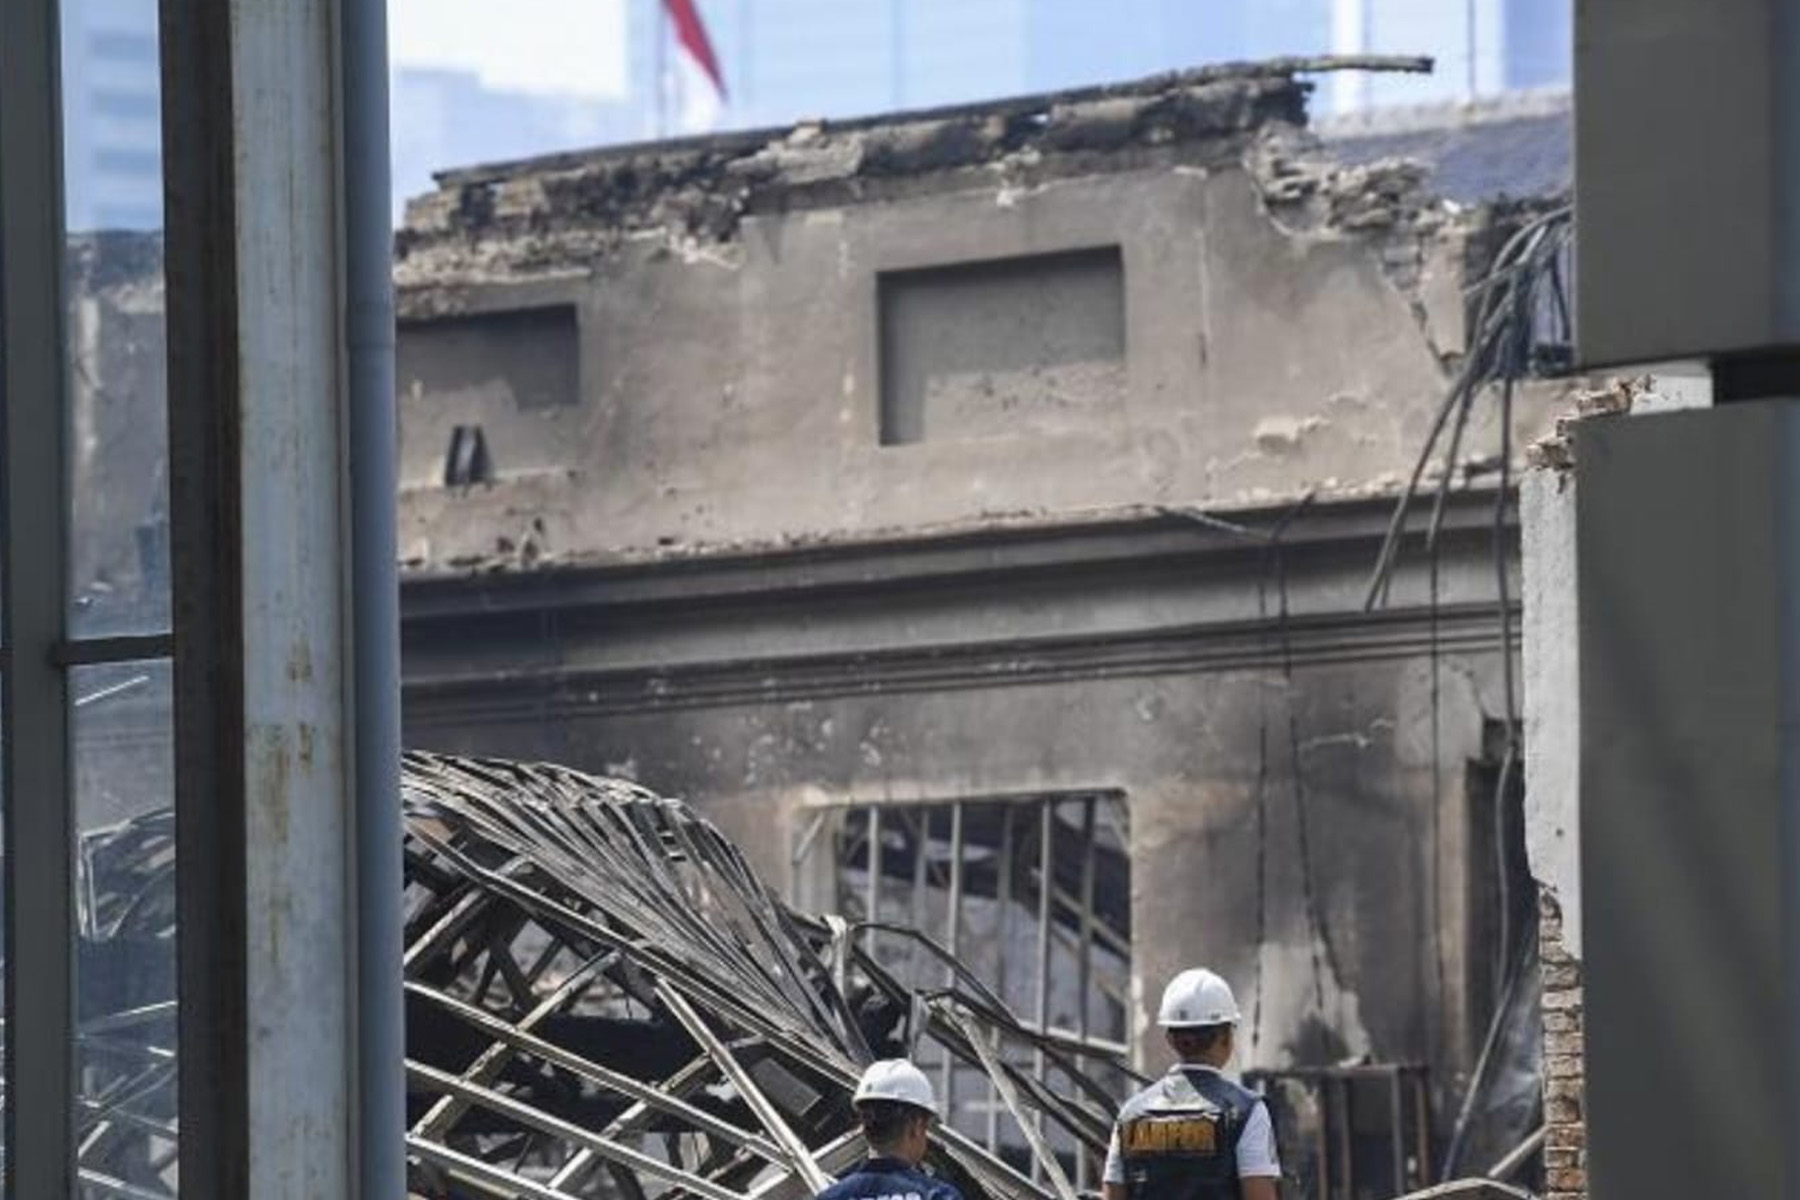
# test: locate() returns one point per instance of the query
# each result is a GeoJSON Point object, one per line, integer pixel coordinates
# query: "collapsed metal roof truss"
{"type": "Point", "coordinates": [604, 998]}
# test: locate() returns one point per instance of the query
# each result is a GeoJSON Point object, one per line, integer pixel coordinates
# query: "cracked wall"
{"type": "Point", "coordinates": [1284, 323]}
{"type": "Point", "coordinates": [1276, 325]}
{"type": "Point", "coordinates": [1353, 945]}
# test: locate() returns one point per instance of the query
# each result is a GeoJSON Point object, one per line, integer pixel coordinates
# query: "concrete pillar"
{"type": "Point", "coordinates": [1547, 509]}
{"type": "Point", "coordinates": [289, 967]}
{"type": "Point", "coordinates": [1688, 629]}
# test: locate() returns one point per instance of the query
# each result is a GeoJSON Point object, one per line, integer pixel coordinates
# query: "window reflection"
{"type": "Point", "coordinates": [125, 909]}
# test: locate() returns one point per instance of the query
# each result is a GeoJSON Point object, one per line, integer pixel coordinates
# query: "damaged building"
{"type": "Point", "coordinates": [973, 514]}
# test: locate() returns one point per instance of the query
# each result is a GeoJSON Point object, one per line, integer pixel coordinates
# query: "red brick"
{"type": "Point", "coordinates": [1561, 1110]}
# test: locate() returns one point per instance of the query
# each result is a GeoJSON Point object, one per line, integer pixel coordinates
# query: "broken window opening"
{"type": "Point", "coordinates": [466, 462]}
{"type": "Point", "coordinates": [970, 874]}
{"type": "Point", "coordinates": [1351, 1131]}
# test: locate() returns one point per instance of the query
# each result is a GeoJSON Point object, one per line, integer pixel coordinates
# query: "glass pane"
{"type": "Point", "coordinates": [118, 430]}
{"type": "Point", "coordinates": [125, 965]}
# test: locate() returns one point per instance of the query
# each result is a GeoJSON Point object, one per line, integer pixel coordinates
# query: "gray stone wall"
{"type": "Point", "coordinates": [1295, 818]}
{"type": "Point", "coordinates": [1167, 296]}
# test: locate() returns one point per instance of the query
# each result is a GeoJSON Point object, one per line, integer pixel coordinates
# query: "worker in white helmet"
{"type": "Point", "coordinates": [1193, 1134]}
{"type": "Point", "coordinates": [896, 1106]}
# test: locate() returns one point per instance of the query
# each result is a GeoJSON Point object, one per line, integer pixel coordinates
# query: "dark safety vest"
{"type": "Point", "coordinates": [1178, 1137]}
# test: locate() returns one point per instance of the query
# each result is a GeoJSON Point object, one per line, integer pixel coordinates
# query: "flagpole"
{"type": "Point", "coordinates": [897, 52]}
{"type": "Point", "coordinates": [745, 50]}
{"type": "Point", "coordinates": [662, 69]}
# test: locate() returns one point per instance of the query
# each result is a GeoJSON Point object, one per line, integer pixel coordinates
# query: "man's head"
{"type": "Point", "coordinates": [1210, 1045]}
{"type": "Point", "coordinates": [1199, 1016]}
{"type": "Point", "coordinates": [896, 1106]}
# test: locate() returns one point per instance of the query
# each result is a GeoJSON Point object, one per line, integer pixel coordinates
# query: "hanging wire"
{"type": "Point", "coordinates": [1510, 306]}
{"type": "Point", "coordinates": [1524, 281]}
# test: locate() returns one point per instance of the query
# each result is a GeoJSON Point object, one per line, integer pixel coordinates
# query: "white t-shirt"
{"type": "Point", "coordinates": [1256, 1158]}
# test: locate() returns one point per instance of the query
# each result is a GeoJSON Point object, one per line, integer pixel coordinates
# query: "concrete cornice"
{"type": "Point", "coordinates": [1151, 594]}
{"type": "Point", "coordinates": [557, 690]}
{"type": "Point", "coordinates": [1102, 540]}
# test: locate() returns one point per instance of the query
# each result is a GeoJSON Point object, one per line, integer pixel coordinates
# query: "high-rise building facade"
{"type": "Point", "coordinates": [112, 145]}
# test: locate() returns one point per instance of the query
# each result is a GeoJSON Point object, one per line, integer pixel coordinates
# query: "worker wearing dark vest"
{"type": "Point", "coordinates": [896, 1106]}
{"type": "Point", "coordinates": [1194, 1134]}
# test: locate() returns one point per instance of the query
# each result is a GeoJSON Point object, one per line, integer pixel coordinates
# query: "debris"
{"type": "Point", "coordinates": [601, 994]}
{"type": "Point", "coordinates": [540, 216]}
{"type": "Point", "coordinates": [592, 968]}
{"type": "Point", "coordinates": [1555, 451]}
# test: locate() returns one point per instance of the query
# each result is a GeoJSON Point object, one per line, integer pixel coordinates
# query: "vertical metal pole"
{"type": "Point", "coordinates": [1085, 968]}
{"type": "Point", "coordinates": [661, 59]}
{"type": "Point", "coordinates": [1422, 1123]}
{"type": "Point", "coordinates": [1470, 47]}
{"type": "Point", "coordinates": [1397, 1116]}
{"type": "Point", "coordinates": [920, 827]}
{"type": "Point", "coordinates": [39, 826]}
{"type": "Point", "coordinates": [872, 895]}
{"type": "Point", "coordinates": [374, 585]}
{"type": "Point", "coordinates": [1085, 950]}
{"type": "Point", "coordinates": [1341, 1088]}
{"type": "Point", "coordinates": [1322, 1138]}
{"type": "Point", "coordinates": [205, 542]}
{"type": "Point", "coordinates": [260, 425]}
{"type": "Point", "coordinates": [1000, 972]}
{"type": "Point", "coordinates": [953, 940]}
{"type": "Point", "coordinates": [897, 51]}
{"type": "Point", "coordinates": [745, 88]}
{"type": "Point", "coordinates": [1046, 883]}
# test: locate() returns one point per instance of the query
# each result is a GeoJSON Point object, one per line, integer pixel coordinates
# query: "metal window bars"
{"type": "Point", "coordinates": [1029, 893]}
{"type": "Point", "coordinates": [603, 999]}
{"type": "Point", "coordinates": [1352, 1130]}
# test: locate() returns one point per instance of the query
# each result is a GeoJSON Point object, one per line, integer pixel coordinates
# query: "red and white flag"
{"type": "Point", "coordinates": [699, 81]}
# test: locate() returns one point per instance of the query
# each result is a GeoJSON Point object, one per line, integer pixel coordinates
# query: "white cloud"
{"type": "Point", "coordinates": [563, 46]}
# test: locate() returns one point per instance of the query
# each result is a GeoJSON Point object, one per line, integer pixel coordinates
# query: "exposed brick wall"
{"type": "Point", "coordinates": [1565, 1146]}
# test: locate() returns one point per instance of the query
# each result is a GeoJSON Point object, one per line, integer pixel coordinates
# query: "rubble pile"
{"type": "Point", "coordinates": [602, 999]}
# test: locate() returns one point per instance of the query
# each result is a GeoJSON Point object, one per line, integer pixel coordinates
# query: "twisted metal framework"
{"type": "Point", "coordinates": [603, 999]}
{"type": "Point", "coordinates": [125, 1047]}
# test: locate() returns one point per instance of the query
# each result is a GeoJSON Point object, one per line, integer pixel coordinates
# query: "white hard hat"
{"type": "Point", "coordinates": [1197, 997]}
{"type": "Point", "coordinates": [897, 1080]}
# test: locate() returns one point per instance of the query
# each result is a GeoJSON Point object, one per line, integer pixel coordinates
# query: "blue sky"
{"type": "Point", "coordinates": [562, 46]}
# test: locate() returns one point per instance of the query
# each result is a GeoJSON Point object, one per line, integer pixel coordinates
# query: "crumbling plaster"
{"type": "Point", "coordinates": [1289, 324]}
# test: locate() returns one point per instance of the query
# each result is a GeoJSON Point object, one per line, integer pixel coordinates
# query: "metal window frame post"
{"type": "Point", "coordinates": [39, 826]}
{"type": "Point", "coordinates": [285, 701]}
